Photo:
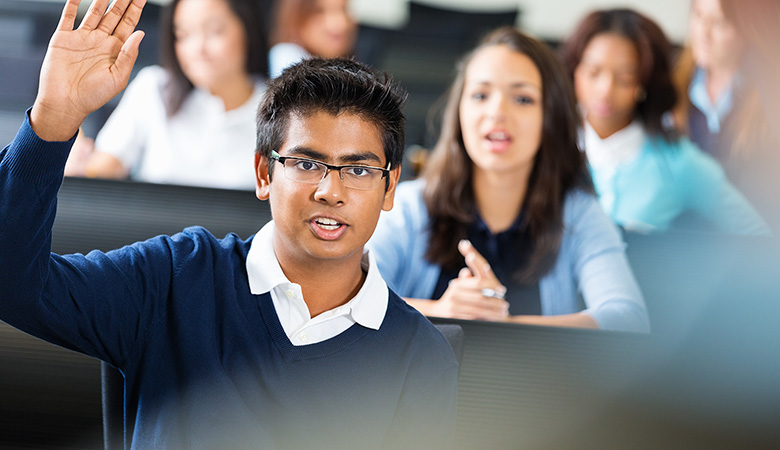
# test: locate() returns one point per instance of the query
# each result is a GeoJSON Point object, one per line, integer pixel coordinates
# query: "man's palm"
{"type": "Point", "coordinates": [79, 70]}
{"type": "Point", "coordinates": [85, 68]}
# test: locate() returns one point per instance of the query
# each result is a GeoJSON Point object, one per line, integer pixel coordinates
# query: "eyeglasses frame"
{"type": "Point", "coordinates": [329, 167]}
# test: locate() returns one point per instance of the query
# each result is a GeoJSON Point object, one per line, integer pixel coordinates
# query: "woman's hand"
{"type": "Point", "coordinates": [86, 67]}
{"type": "Point", "coordinates": [476, 293]}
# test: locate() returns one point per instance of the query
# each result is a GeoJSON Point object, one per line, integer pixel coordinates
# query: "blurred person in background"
{"type": "Point", "coordinates": [504, 225]}
{"type": "Point", "coordinates": [648, 177]}
{"type": "Point", "coordinates": [191, 121]}
{"type": "Point", "coordinates": [304, 28]}
{"type": "Point", "coordinates": [754, 156]}
{"type": "Point", "coordinates": [709, 77]}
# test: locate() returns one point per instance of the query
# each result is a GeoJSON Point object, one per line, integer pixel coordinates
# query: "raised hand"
{"type": "Point", "coordinates": [86, 67]}
{"type": "Point", "coordinates": [465, 297]}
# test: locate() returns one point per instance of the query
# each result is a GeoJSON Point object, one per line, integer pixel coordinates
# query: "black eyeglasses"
{"type": "Point", "coordinates": [309, 171]}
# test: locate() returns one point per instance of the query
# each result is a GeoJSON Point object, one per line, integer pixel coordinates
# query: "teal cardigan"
{"type": "Point", "coordinates": [670, 178]}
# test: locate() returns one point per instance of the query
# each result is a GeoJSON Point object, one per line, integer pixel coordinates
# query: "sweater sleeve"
{"type": "Point", "coordinates": [712, 195]}
{"type": "Point", "coordinates": [611, 293]}
{"type": "Point", "coordinates": [90, 303]}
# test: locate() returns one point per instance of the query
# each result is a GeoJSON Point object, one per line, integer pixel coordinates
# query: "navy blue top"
{"type": "Point", "coordinates": [718, 144]}
{"type": "Point", "coordinates": [207, 364]}
{"type": "Point", "coordinates": [507, 253]}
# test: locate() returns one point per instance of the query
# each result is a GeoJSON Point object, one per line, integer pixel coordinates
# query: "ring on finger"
{"type": "Point", "coordinates": [487, 292]}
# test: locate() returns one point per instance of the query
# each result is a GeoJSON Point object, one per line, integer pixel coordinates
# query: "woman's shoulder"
{"type": "Point", "coordinates": [681, 155]}
{"type": "Point", "coordinates": [581, 209]}
{"type": "Point", "coordinates": [409, 192]}
{"type": "Point", "coordinates": [408, 204]}
{"type": "Point", "coordinates": [284, 54]}
{"type": "Point", "coordinates": [152, 75]}
{"type": "Point", "coordinates": [577, 202]}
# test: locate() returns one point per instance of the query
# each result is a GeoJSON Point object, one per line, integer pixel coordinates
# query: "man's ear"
{"type": "Point", "coordinates": [263, 179]}
{"type": "Point", "coordinates": [393, 177]}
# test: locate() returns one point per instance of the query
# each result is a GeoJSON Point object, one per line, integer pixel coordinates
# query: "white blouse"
{"type": "Point", "coordinates": [201, 145]}
{"type": "Point", "coordinates": [606, 155]}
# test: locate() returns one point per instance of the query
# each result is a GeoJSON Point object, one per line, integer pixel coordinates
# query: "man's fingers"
{"type": "Point", "coordinates": [93, 16]}
{"type": "Point", "coordinates": [129, 20]}
{"type": "Point", "coordinates": [127, 56]}
{"type": "Point", "coordinates": [68, 17]}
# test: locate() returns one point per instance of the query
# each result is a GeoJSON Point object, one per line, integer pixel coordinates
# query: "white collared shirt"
{"type": "Point", "coordinates": [606, 155]}
{"type": "Point", "coordinates": [367, 308]}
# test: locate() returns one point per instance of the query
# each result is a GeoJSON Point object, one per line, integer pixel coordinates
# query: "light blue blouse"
{"type": "Point", "coordinates": [591, 261]}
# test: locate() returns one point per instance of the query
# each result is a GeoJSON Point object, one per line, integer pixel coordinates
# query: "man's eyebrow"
{"type": "Point", "coordinates": [310, 153]}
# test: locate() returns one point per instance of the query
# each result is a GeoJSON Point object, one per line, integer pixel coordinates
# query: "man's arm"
{"type": "Point", "coordinates": [82, 69]}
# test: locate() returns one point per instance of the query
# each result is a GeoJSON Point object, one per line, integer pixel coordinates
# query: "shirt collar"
{"type": "Point", "coordinates": [368, 307]}
{"type": "Point", "coordinates": [619, 148]}
{"type": "Point", "coordinates": [714, 113]}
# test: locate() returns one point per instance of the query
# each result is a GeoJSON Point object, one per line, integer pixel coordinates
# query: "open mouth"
{"type": "Point", "coordinates": [498, 141]}
{"type": "Point", "coordinates": [327, 224]}
{"type": "Point", "coordinates": [498, 136]}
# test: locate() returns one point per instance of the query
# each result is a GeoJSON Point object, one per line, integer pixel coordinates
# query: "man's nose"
{"type": "Point", "coordinates": [331, 188]}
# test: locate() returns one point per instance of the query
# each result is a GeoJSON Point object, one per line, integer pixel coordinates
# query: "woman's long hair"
{"type": "Point", "coordinates": [558, 166]}
{"type": "Point", "coordinates": [654, 52]}
{"type": "Point", "coordinates": [251, 15]}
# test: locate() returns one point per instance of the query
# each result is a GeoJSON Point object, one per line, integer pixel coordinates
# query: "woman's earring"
{"type": "Point", "coordinates": [641, 95]}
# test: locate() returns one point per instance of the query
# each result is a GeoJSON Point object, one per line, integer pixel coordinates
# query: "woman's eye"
{"type": "Point", "coordinates": [478, 96]}
{"type": "Point", "coordinates": [524, 100]}
{"type": "Point", "coordinates": [215, 30]}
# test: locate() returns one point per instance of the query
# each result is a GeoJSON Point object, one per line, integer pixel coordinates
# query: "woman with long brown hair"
{"type": "Point", "coordinates": [503, 224]}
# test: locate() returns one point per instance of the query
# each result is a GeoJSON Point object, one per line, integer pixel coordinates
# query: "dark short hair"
{"type": "Point", "coordinates": [333, 86]}
{"type": "Point", "coordinates": [249, 12]}
{"type": "Point", "coordinates": [654, 51]}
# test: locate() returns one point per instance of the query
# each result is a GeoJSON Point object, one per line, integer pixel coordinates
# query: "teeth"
{"type": "Point", "coordinates": [498, 136]}
{"type": "Point", "coordinates": [328, 224]}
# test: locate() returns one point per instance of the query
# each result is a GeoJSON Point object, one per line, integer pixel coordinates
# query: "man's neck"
{"type": "Point", "coordinates": [326, 285]}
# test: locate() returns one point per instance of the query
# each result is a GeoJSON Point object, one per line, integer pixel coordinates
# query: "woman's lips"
{"type": "Point", "coordinates": [498, 141]}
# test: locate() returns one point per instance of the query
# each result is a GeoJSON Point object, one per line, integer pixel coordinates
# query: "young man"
{"type": "Point", "coordinates": [290, 339]}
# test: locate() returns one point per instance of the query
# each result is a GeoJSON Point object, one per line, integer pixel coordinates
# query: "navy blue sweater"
{"type": "Point", "coordinates": [207, 364]}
